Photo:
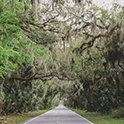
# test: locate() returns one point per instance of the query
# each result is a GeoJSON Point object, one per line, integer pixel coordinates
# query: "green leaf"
{"type": "Point", "coordinates": [46, 57]}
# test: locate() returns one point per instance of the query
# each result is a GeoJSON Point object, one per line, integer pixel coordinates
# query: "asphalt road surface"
{"type": "Point", "coordinates": [59, 115]}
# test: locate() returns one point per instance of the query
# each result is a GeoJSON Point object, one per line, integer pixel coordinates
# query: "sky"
{"type": "Point", "coordinates": [107, 3]}
{"type": "Point", "coordinates": [100, 2]}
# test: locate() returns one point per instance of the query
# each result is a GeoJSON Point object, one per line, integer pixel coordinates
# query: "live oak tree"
{"type": "Point", "coordinates": [76, 42]}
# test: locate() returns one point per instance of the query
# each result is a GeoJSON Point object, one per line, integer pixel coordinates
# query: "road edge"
{"type": "Point", "coordinates": [82, 117]}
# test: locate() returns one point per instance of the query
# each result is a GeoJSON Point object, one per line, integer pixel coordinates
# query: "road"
{"type": "Point", "coordinates": [59, 115]}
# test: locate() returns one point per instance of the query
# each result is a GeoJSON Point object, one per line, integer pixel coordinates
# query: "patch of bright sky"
{"type": "Point", "coordinates": [107, 4]}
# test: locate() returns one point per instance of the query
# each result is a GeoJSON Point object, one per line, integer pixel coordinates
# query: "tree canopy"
{"type": "Point", "coordinates": [61, 50]}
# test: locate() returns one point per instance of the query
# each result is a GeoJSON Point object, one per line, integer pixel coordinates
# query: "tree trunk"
{"type": "Point", "coordinates": [34, 6]}
{"type": "Point", "coordinates": [89, 106]}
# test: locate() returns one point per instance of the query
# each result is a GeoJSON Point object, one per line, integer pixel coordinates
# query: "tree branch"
{"type": "Point", "coordinates": [91, 42]}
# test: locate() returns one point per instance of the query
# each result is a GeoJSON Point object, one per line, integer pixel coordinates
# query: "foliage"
{"type": "Point", "coordinates": [18, 55]}
{"type": "Point", "coordinates": [21, 98]}
{"type": "Point", "coordinates": [118, 113]}
{"type": "Point", "coordinates": [14, 45]}
{"type": "Point", "coordinates": [89, 56]}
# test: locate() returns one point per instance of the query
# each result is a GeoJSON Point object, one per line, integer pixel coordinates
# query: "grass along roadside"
{"type": "Point", "coordinates": [17, 119]}
{"type": "Point", "coordinates": [97, 118]}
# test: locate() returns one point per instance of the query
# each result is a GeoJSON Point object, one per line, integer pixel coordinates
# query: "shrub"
{"type": "Point", "coordinates": [118, 113]}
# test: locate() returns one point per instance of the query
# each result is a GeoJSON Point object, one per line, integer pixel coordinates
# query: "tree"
{"type": "Point", "coordinates": [79, 43]}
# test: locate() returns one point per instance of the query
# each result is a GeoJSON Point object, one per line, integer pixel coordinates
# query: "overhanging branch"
{"type": "Point", "coordinates": [47, 77]}
{"type": "Point", "coordinates": [91, 42]}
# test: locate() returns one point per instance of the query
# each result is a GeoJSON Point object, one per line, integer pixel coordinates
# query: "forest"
{"type": "Point", "coordinates": [68, 51]}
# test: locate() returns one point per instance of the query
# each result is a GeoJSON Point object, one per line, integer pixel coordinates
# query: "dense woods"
{"type": "Point", "coordinates": [69, 51]}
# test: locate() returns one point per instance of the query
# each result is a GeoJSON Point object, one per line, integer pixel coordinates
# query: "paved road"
{"type": "Point", "coordinates": [59, 115]}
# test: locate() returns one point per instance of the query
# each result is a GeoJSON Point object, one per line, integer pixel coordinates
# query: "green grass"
{"type": "Point", "coordinates": [17, 119]}
{"type": "Point", "coordinates": [97, 118]}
